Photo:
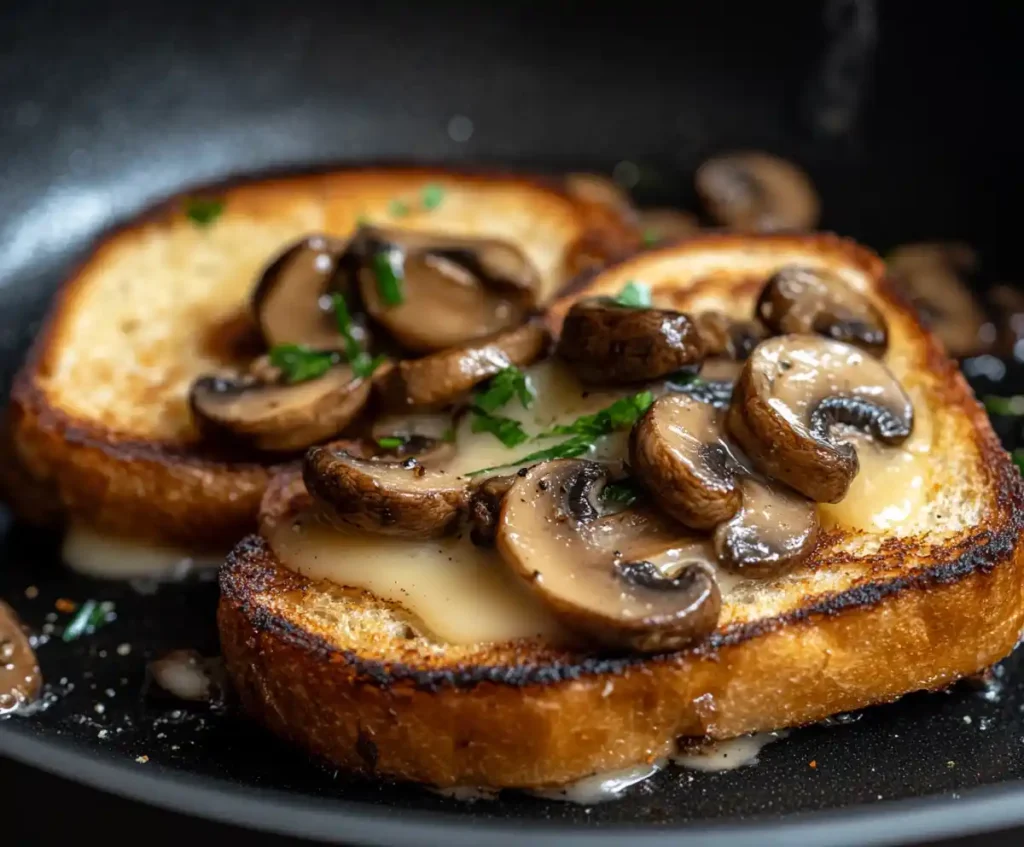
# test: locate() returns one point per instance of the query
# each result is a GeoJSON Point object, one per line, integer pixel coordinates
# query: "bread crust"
{"type": "Point", "coordinates": [177, 490]}
{"type": "Point", "coordinates": [527, 714]}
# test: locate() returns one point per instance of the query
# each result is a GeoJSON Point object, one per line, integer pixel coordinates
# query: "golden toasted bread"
{"type": "Point", "coordinates": [877, 611]}
{"type": "Point", "coordinates": [100, 413]}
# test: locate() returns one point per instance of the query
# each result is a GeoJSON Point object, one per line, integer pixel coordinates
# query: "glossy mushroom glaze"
{"type": "Point", "coordinates": [413, 372]}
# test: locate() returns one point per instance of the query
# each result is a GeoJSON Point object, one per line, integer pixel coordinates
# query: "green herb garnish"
{"type": "Point", "coordinates": [390, 442]}
{"type": "Point", "coordinates": [398, 208]}
{"type": "Point", "coordinates": [1009, 406]}
{"type": "Point", "coordinates": [362, 363]}
{"type": "Point", "coordinates": [1018, 459]}
{"type": "Point", "coordinates": [503, 386]}
{"type": "Point", "coordinates": [509, 432]}
{"type": "Point", "coordinates": [203, 211]}
{"type": "Point", "coordinates": [624, 492]}
{"type": "Point", "coordinates": [389, 277]}
{"type": "Point", "coordinates": [621, 414]}
{"type": "Point", "coordinates": [432, 196]}
{"type": "Point", "coordinates": [566, 450]}
{"type": "Point", "coordinates": [300, 363]}
{"type": "Point", "coordinates": [650, 238]}
{"type": "Point", "coordinates": [448, 436]}
{"type": "Point", "coordinates": [87, 619]}
{"type": "Point", "coordinates": [634, 295]}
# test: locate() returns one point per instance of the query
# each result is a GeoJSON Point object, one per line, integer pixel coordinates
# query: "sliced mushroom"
{"type": "Point", "coordinates": [274, 416]}
{"type": "Point", "coordinates": [660, 225]}
{"type": "Point", "coordinates": [600, 189]}
{"type": "Point", "coordinates": [289, 300]}
{"type": "Point", "coordinates": [812, 300]}
{"type": "Point", "coordinates": [382, 496]}
{"type": "Point", "coordinates": [453, 290]}
{"type": "Point", "coordinates": [679, 451]}
{"type": "Point", "coordinates": [757, 191]}
{"type": "Point", "coordinates": [934, 277]}
{"type": "Point", "coordinates": [630, 579]}
{"type": "Point", "coordinates": [443, 378]}
{"type": "Point", "coordinates": [485, 506]}
{"type": "Point", "coordinates": [774, 530]}
{"type": "Point", "coordinates": [722, 335]}
{"type": "Point", "coordinates": [792, 401]}
{"type": "Point", "coordinates": [606, 342]}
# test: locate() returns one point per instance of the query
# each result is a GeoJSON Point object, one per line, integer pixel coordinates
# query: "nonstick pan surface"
{"type": "Point", "coordinates": [902, 119]}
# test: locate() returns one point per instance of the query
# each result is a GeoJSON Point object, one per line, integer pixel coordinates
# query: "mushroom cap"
{"type": "Point", "coordinates": [288, 301]}
{"type": "Point", "coordinates": [757, 191]}
{"type": "Point", "coordinates": [774, 530]}
{"type": "Point", "coordinates": [800, 299]}
{"type": "Point", "coordinates": [276, 416]}
{"type": "Point", "coordinates": [443, 378]}
{"type": "Point", "coordinates": [664, 224]}
{"type": "Point", "coordinates": [679, 452]}
{"type": "Point", "coordinates": [454, 290]}
{"type": "Point", "coordinates": [606, 342]}
{"type": "Point", "coordinates": [386, 497]}
{"type": "Point", "coordinates": [723, 335]}
{"type": "Point", "coordinates": [794, 396]}
{"type": "Point", "coordinates": [629, 579]}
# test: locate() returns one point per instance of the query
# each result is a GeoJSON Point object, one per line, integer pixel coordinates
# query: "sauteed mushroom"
{"type": "Point", "coordinates": [660, 225]}
{"type": "Point", "coordinates": [756, 191]}
{"type": "Point", "coordinates": [275, 416]}
{"type": "Point", "coordinates": [387, 497]}
{"type": "Point", "coordinates": [627, 579]}
{"type": "Point", "coordinates": [606, 342]}
{"type": "Point", "coordinates": [722, 335]}
{"type": "Point", "coordinates": [795, 395]}
{"type": "Point", "coordinates": [445, 377]}
{"type": "Point", "coordinates": [812, 300]}
{"type": "Point", "coordinates": [444, 292]}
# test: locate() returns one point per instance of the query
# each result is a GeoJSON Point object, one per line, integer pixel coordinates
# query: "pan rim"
{"type": "Point", "coordinates": [337, 821]}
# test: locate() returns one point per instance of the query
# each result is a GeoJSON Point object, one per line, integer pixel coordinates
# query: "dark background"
{"type": "Point", "coordinates": [905, 114]}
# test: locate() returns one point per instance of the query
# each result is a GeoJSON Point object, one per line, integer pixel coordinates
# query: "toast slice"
{"type": "Point", "coordinates": [99, 412]}
{"type": "Point", "coordinates": [875, 613]}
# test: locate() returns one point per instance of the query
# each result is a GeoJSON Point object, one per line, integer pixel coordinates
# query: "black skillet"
{"type": "Point", "coordinates": [903, 117]}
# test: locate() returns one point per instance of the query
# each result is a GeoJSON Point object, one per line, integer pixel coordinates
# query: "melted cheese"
{"type": "Point", "coordinates": [105, 556]}
{"type": "Point", "coordinates": [461, 593]}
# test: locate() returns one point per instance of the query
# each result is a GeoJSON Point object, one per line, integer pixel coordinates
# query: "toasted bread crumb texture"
{"type": "Point", "coordinates": [142, 318]}
{"type": "Point", "coordinates": [869, 618]}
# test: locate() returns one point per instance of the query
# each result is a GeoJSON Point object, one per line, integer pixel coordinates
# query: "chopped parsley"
{"type": "Point", "coordinates": [624, 492]}
{"type": "Point", "coordinates": [448, 436]}
{"type": "Point", "coordinates": [650, 238]}
{"type": "Point", "coordinates": [509, 432]}
{"type": "Point", "coordinates": [390, 442]}
{"type": "Point", "coordinates": [621, 414]}
{"type": "Point", "coordinates": [300, 363]}
{"type": "Point", "coordinates": [398, 208]}
{"type": "Point", "coordinates": [584, 431]}
{"type": "Point", "coordinates": [362, 363]}
{"type": "Point", "coordinates": [503, 386]}
{"type": "Point", "coordinates": [432, 196]}
{"type": "Point", "coordinates": [1008, 406]}
{"type": "Point", "coordinates": [634, 295]}
{"type": "Point", "coordinates": [203, 211]}
{"type": "Point", "coordinates": [387, 268]}
{"type": "Point", "coordinates": [89, 617]}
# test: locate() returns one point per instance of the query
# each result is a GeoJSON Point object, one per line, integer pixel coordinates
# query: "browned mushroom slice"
{"type": "Point", "coordinates": [444, 292]}
{"type": "Point", "coordinates": [933, 276]}
{"type": "Point", "coordinates": [794, 398]}
{"type": "Point", "coordinates": [386, 497]}
{"type": "Point", "coordinates": [774, 530]}
{"type": "Point", "coordinates": [661, 225]}
{"type": "Point", "coordinates": [679, 452]}
{"type": "Point", "coordinates": [290, 302]}
{"type": "Point", "coordinates": [722, 335]}
{"type": "Point", "coordinates": [812, 300]}
{"type": "Point", "coordinates": [606, 342]}
{"type": "Point", "coordinates": [629, 579]}
{"type": "Point", "coordinates": [277, 416]}
{"type": "Point", "coordinates": [485, 506]}
{"type": "Point", "coordinates": [443, 378]}
{"type": "Point", "coordinates": [600, 189]}
{"type": "Point", "coordinates": [756, 191]}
